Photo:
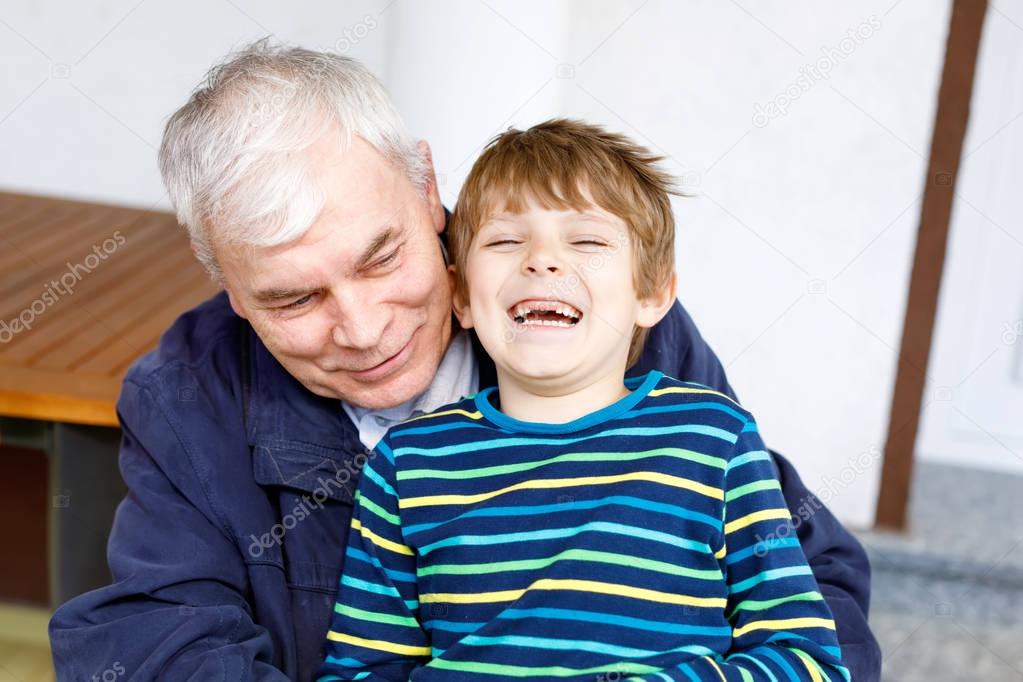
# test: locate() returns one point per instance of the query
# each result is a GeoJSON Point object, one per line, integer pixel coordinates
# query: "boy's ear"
{"type": "Point", "coordinates": [458, 304]}
{"type": "Point", "coordinates": [654, 307]}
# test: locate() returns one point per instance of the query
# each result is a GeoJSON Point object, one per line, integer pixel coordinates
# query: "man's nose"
{"type": "Point", "coordinates": [359, 324]}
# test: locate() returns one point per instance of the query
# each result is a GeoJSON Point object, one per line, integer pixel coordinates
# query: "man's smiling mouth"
{"type": "Point", "coordinates": [544, 313]}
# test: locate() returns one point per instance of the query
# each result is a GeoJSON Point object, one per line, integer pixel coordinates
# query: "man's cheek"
{"type": "Point", "coordinates": [292, 337]}
{"type": "Point", "coordinates": [419, 286]}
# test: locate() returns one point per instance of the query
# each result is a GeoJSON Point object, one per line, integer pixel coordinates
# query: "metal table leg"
{"type": "Point", "coordinates": [85, 488]}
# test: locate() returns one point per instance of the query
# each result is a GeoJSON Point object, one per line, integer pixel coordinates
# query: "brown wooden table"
{"type": "Point", "coordinates": [85, 289]}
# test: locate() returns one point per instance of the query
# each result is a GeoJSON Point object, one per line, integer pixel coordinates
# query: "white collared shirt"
{"type": "Point", "coordinates": [456, 378]}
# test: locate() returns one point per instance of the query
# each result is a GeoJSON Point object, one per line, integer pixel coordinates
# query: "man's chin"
{"type": "Point", "coordinates": [381, 395]}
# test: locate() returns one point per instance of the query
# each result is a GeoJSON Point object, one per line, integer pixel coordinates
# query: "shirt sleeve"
{"type": "Point", "coordinates": [178, 607]}
{"type": "Point", "coordinates": [782, 628]}
{"type": "Point", "coordinates": [375, 632]}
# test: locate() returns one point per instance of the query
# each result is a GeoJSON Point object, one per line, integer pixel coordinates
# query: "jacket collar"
{"type": "Point", "coordinates": [298, 439]}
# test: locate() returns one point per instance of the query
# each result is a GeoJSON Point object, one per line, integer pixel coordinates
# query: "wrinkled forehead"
{"type": "Point", "coordinates": [337, 245]}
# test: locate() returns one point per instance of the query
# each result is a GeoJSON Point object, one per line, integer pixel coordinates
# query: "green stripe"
{"type": "Point", "coordinates": [755, 486]}
{"type": "Point", "coordinates": [622, 667]}
{"type": "Point", "coordinates": [572, 555]}
{"type": "Point", "coordinates": [763, 605]}
{"type": "Point", "coordinates": [371, 506]}
{"type": "Point", "coordinates": [810, 661]}
{"type": "Point", "coordinates": [374, 617]}
{"type": "Point", "coordinates": [575, 645]}
{"type": "Point", "coordinates": [677, 453]}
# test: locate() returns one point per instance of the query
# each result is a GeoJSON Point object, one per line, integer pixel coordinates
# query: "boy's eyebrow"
{"type": "Point", "coordinates": [498, 217]}
{"type": "Point", "coordinates": [592, 215]}
{"type": "Point", "coordinates": [577, 215]}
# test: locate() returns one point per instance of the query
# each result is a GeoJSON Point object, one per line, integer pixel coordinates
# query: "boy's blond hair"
{"type": "Point", "coordinates": [556, 163]}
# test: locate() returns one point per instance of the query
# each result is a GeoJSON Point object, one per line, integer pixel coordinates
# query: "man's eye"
{"type": "Point", "coordinates": [299, 303]}
{"type": "Point", "coordinates": [386, 260]}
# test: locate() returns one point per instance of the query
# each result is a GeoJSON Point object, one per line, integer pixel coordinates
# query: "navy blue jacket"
{"type": "Point", "coordinates": [224, 453]}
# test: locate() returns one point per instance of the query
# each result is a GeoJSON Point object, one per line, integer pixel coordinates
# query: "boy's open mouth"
{"type": "Point", "coordinates": [544, 313]}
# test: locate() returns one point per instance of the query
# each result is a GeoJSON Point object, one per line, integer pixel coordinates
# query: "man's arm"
{"type": "Point", "coordinates": [838, 560]}
{"type": "Point", "coordinates": [841, 568]}
{"type": "Point", "coordinates": [176, 609]}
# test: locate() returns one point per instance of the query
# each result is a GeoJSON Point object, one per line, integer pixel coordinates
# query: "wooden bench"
{"type": "Point", "coordinates": [86, 289]}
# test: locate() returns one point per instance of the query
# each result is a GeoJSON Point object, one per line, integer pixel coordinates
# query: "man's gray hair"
{"type": "Point", "coordinates": [235, 160]}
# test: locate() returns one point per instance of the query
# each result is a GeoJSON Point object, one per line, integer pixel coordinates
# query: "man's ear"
{"type": "Point", "coordinates": [654, 307]}
{"type": "Point", "coordinates": [433, 202]}
{"type": "Point", "coordinates": [459, 305]}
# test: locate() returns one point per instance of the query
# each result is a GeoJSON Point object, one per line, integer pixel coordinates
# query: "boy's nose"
{"type": "Point", "coordinates": [542, 260]}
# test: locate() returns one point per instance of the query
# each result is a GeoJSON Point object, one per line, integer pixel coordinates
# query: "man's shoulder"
{"type": "Point", "coordinates": [205, 335]}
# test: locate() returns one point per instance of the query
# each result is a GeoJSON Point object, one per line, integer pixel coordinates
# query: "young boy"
{"type": "Point", "coordinates": [570, 523]}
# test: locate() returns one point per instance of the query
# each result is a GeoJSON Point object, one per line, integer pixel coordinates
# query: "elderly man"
{"type": "Point", "coordinates": [245, 430]}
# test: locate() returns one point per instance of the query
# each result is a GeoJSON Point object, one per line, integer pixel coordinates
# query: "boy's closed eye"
{"type": "Point", "coordinates": [578, 241]}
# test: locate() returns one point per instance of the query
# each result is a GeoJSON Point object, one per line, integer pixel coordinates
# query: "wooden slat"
{"type": "Point", "coordinates": [128, 272]}
{"type": "Point", "coordinates": [69, 366]}
{"type": "Point", "coordinates": [17, 209]}
{"type": "Point", "coordinates": [33, 220]}
{"type": "Point", "coordinates": [107, 327]}
{"type": "Point", "coordinates": [21, 234]}
{"type": "Point", "coordinates": [74, 235]}
{"type": "Point", "coordinates": [106, 359]}
{"type": "Point", "coordinates": [58, 396]}
{"type": "Point", "coordinates": [39, 274]}
{"type": "Point", "coordinates": [117, 290]}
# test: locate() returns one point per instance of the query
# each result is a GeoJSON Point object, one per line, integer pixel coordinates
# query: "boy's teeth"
{"type": "Point", "coordinates": [535, 312]}
{"type": "Point", "coordinates": [561, 308]}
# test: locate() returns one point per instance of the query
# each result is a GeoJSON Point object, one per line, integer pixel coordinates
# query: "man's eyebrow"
{"type": "Point", "coordinates": [378, 243]}
{"type": "Point", "coordinates": [276, 295]}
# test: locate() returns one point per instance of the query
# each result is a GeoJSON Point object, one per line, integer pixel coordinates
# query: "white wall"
{"type": "Point", "coordinates": [793, 260]}
{"type": "Point", "coordinates": [88, 87]}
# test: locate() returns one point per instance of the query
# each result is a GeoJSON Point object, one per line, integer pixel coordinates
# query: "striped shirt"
{"type": "Point", "coordinates": [648, 539]}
